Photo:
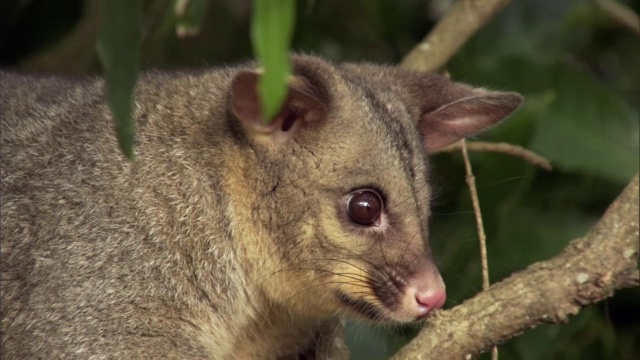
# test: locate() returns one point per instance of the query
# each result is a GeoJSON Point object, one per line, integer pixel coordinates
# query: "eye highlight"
{"type": "Point", "coordinates": [364, 207]}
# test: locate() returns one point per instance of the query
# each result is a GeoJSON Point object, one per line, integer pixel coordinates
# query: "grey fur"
{"type": "Point", "coordinates": [216, 243]}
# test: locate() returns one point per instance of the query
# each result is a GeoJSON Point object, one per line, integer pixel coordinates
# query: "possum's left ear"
{"type": "Point", "coordinates": [471, 111]}
{"type": "Point", "coordinates": [306, 102]}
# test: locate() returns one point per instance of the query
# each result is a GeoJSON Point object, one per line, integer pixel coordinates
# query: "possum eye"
{"type": "Point", "coordinates": [364, 207]}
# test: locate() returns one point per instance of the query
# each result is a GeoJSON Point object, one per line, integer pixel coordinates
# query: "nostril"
{"type": "Point", "coordinates": [431, 299]}
{"type": "Point", "coordinates": [424, 292]}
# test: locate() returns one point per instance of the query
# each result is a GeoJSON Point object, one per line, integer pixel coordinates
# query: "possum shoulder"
{"type": "Point", "coordinates": [33, 105]}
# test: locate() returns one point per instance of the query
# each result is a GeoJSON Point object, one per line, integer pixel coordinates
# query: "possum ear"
{"type": "Point", "coordinates": [473, 111]}
{"type": "Point", "coordinates": [304, 104]}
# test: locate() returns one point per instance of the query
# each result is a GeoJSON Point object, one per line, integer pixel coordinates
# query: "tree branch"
{"type": "Point", "coordinates": [503, 148]}
{"type": "Point", "coordinates": [620, 13]}
{"type": "Point", "coordinates": [587, 271]}
{"type": "Point", "coordinates": [450, 33]}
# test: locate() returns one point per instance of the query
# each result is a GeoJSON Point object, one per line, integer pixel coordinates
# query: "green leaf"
{"type": "Point", "coordinates": [189, 15]}
{"type": "Point", "coordinates": [528, 234]}
{"type": "Point", "coordinates": [271, 31]}
{"type": "Point", "coordinates": [587, 128]}
{"type": "Point", "coordinates": [580, 125]}
{"type": "Point", "coordinates": [118, 43]}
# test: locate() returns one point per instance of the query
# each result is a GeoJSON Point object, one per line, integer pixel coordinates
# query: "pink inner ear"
{"type": "Point", "coordinates": [465, 117]}
{"type": "Point", "coordinates": [299, 107]}
{"type": "Point", "coordinates": [245, 102]}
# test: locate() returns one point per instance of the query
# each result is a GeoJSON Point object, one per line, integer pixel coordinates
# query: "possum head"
{"type": "Point", "coordinates": [340, 181]}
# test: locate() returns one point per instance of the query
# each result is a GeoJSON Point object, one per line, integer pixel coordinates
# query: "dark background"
{"type": "Point", "coordinates": [577, 67]}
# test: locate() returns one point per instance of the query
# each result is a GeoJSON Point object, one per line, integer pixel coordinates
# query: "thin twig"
{"type": "Point", "coordinates": [621, 13]}
{"type": "Point", "coordinates": [503, 148]}
{"type": "Point", "coordinates": [471, 182]}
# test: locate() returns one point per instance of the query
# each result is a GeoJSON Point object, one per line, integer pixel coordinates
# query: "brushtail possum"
{"type": "Point", "coordinates": [228, 237]}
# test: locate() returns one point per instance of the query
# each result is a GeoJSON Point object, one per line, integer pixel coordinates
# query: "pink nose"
{"type": "Point", "coordinates": [427, 300]}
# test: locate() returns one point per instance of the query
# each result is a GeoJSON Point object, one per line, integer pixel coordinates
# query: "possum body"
{"type": "Point", "coordinates": [227, 237]}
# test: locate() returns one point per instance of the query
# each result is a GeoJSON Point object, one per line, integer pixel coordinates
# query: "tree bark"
{"type": "Point", "coordinates": [589, 270]}
{"type": "Point", "coordinates": [463, 20]}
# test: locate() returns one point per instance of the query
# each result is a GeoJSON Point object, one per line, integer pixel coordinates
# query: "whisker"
{"type": "Point", "coordinates": [434, 214]}
{"type": "Point", "coordinates": [402, 202]}
{"type": "Point", "coordinates": [380, 271]}
{"type": "Point", "coordinates": [353, 276]}
{"type": "Point", "coordinates": [348, 263]}
{"type": "Point", "coordinates": [506, 180]}
{"type": "Point", "coordinates": [296, 239]}
{"type": "Point", "coordinates": [315, 286]}
{"type": "Point", "coordinates": [395, 269]}
{"type": "Point", "coordinates": [384, 258]}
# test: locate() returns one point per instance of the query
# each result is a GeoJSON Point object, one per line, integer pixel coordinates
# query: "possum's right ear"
{"type": "Point", "coordinates": [466, 111]}
{"type": "Point", "coordinates": [302, 106]}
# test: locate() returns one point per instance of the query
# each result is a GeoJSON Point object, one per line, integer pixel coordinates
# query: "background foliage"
{"type": "Point", "coordinates": [576, 67]}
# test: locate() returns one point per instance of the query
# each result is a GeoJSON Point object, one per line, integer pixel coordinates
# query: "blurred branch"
{"type": "Point", "coordinates": [464, 19]}
{"type": "Point", "coordinates": [621, 13]}
{"type": "Point", "coordinates": [503, 148]}
{"type": "Point", "coordinates": [587, 271]}
{"type": "Point", "coordinates": [75, 54]}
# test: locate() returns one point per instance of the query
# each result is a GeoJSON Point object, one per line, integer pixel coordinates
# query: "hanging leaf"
{"type": "Point", "coordinates": [118, 44]}
{"type": "Point", "coordinates": [271, 31]}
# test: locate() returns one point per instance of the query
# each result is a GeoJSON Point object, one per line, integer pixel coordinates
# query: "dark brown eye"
{"type": "Point", "coordinates": [364, 207]}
